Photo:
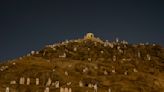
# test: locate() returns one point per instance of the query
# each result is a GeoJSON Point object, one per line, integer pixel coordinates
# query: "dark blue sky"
{"type": "Point", "coordinates": [29, 25]}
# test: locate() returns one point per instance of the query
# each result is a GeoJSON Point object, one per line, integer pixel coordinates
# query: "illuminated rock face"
{"type": "Point", "coordinates": [89, 36]}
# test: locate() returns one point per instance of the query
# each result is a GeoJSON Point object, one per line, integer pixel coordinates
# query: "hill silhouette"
{"type": "Point", "coordinates": [82, 64]}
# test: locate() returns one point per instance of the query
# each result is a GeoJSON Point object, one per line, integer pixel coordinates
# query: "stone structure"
{"type": "Point", "coordinates": [114, 58]}
{"type": "Point", "coordinates": [57, 84]}
{"type": "Point", "coordinates": [28, 81]}
{"type": "Point", "coordinates": [63, 56]}
{"type": "Point", "coordinates": [22, 80]}
{"type": "Point", "coordinates": [61, 89]}
{"type": "Point", "coordinates": [80, 84]}
{"type": "Point", "coordinates": [13, 82]}
{"type": "Point", "coordinates": [95, 88]}
{"type": "Point", "coordinates": [37, 81]}
{"type": "Point", "coordinates": [47, 89]}
{"type": "Point", "coordinates": [89, 36]}
{"type": "Point", "coordinates": [7, 89]}
{"type": "Point", "coordinates": [65, 89]}
{"type": "Point", "coordinates": [148, 57]}
{"type": "Point", "coordinates": [135, 70]}
{"type": "Point", "coordinates": [49, 82]}
{"type": "Point", "coordinates": [109, 90]}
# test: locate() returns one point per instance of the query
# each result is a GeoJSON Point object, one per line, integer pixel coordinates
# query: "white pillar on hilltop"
{"type": "Point", "coordinates": [37, 81]}
{"type": "Point", "coordinates": [66, 89]}
{"type": "Point", "coordinates": [95, 88]}
{"type": "Point", "coordinates": [49, 82]}
{"type": "Point", "coordinates": [22, 80]}
{"type": "Point", "coordinates": [114, 58]}
{"type": "Point", "coordinates": [57, 84]}
{"type": "Point", "coordinates": [66, 73]}
{"type": "Point", "coordinates": [109, 90]}
{"type": "Point", "coordinates": [7, 89]}
{"type": "Point", "coordinates": [28, 81]}
{"type": "Point", "coordinates": [70, 90]}
{"type": "Point", "coordinates": [61, 89]}
{"type": "Point", "coordinates": [80, 84]}
{"type": "Point", "coordinates": [47, 89]}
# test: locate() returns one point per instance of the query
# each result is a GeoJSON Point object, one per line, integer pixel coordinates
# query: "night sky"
{"type": "Point", "coordinates": [29, 25]}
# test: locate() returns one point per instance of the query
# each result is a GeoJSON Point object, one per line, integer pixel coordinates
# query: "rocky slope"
{"type": "Point", "coordinates": [83, 64]}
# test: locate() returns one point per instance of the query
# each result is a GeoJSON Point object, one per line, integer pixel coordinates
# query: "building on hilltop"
{"type": "Point", "coordinates": [90, 36]}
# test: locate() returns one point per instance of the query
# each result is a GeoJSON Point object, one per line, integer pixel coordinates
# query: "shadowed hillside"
{"type": "Point", "coordinates": [85, 65]}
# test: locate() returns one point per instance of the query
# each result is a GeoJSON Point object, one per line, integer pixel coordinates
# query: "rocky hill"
{"type": "Point", "coordinates": [87, 65]}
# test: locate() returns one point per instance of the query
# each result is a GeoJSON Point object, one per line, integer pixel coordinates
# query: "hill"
{"type": "Point", "coordinates": [85, 65]}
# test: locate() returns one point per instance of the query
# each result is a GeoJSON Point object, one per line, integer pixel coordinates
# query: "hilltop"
{"type": "Point", "coordinates": [87, 63]}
